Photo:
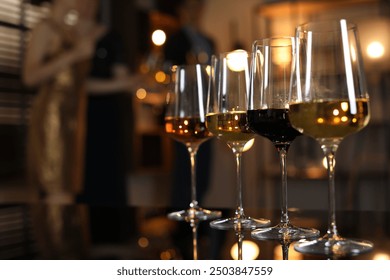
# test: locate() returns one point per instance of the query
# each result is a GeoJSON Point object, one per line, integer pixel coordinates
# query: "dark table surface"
{"type": "Point", "coordinates": [80, 231]}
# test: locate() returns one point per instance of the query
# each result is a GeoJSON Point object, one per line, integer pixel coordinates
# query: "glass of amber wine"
{"type": "Point", "coordinates": [185, 123]}
{"type": "Point", "coordinates": [268, 116]}
{"type": "Point", "coordinates": [329, 101]}
{"type": "Point", "coordinates": [226, 119]}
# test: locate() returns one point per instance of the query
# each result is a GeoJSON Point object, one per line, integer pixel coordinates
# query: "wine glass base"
{"type": "Point", "coordinates": [282, 232]}
{"type": "Point", "coordinates": [243, 223]}
{"type": "Point", "coordinates": [194, 214]}
{"type": "Point", "coordinates": [340, 247]}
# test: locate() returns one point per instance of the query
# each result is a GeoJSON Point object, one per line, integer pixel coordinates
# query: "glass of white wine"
{"type": "Point", "coordinates": [226, 119]}
{"type": "Point", "coordinates": [329, 101]}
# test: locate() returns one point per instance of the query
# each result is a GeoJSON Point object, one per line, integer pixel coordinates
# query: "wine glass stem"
{"type": "Point", "coordinates": [283, 167]}
{"type": "Point", "coordinates": [193, 151]}
{"type": "Point", "coordinates": [239, 210]}
{"type": "Point", "coordinates": [330, 152]}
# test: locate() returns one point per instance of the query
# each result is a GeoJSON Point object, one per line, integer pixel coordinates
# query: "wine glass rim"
{"type": "Point", "coordinates": [323, 26]}
{"type": "Point", "coordinates": [177, 66]}
{"type": "Point", "coordinates": [225, 54]}
{"type": "Point", "coordinates": [268, 41]}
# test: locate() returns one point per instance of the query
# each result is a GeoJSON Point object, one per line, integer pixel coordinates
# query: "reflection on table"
{"type": "Point", "coordinates": [51, 231]}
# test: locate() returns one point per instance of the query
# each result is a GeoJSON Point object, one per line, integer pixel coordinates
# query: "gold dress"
{"type": "Point", "coordinates": [56, 133]}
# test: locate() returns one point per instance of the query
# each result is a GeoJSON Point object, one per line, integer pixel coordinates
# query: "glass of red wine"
{"type": "Point", "coordinates": [268, 116]}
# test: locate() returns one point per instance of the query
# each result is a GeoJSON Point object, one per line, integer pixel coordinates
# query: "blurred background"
{"type": "Point", "coordinates": [363, 159]}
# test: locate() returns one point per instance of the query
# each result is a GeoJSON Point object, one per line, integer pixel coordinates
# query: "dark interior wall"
{"type": "Point", "coordinates": [13, 96]}
{"type": "Point", "coordinates": [124, 22]}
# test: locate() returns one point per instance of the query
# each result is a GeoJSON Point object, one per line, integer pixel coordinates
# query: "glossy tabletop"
{"type": "Point", "coordinates": [80, 231]}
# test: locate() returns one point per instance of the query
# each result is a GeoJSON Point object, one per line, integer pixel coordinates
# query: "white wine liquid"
{"type": "Point", "coordinates": [329, 119]}
{"type": "Point", "coordinates": [232, 128]}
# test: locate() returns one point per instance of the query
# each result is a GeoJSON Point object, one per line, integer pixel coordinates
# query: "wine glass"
{"type": "Point", "coordinates": [329, 101]}
{"type": "Point", "coordinates": [185, 123]}
{"type": "Point", "coordinates": [268, 116]}
{"type": "Point", "coordinates": [226, 119]}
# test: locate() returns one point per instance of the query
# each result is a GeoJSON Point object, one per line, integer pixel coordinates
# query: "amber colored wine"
{"type": "Point", "coordinates": [273, 124]}
{"type": "Point", "coordinates": [232, 128]}
{"type": "Point", "coordinates": [330, 119]}
{"type": "Point", "coordinates": [187, 130]}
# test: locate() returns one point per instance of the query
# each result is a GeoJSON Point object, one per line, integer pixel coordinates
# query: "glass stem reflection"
{"type": "Point", "coordinates": [283, 166]}
{"type": "Point", "coordinates": [285, 248]}
{"type": "Point", "coordinates": [239, 210]}
{"type": "Point", "coordinates": [330, 152]}
{"type": "Point", "coordinates": [194, 226]}
{"type": "Point", "coordinates": [240, 239]}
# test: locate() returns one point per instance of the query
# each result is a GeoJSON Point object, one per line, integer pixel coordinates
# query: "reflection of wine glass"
{"type": "Point", "coordinates": [185, 122]}
{"type": "Point", "coordinates": [329, 101]}
{"type": "Point", "coordinates": [226, 119]}
{"type": "Point", "coordinates": [268, 115]}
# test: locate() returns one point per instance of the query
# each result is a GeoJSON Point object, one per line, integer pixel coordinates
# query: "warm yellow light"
{"type": "Point", "coordinates": [159, 37]}
{"type": "Point", "coordinates": [353, 53]}
{"type": "Point", "coordinates": [320, 120]}
{"type": "Point", "coordinates": [282, 56]}
{"type": "Point", "coordinates": [248, 145]}
{"type": "Point", "coordinates": [381, 256]}
{"type": "Point", "coordinates": [344, 106]}
{"type": "Point", "coordinates": [141, 93]}
{"type": "Point", "coordinates": [325, 163]}
{"type": "Point", "coordinates": [160, 76]}
{"type": "Point", "coordinates": [143, 242]}
{"type": "Point", "coordinates": [71, 18]}
{"type": "Point", "coordinates": [250, 250]}
{"type": "Point", "coordinates": [292, 254]}
{"type": "Point", "coordinates": [237, 60]}
{"type": "Point", "coordinates": [336, 112]}
{"type": "Point", "coordinates": [208, 70]}
{"type": "Point", "coordinates": [169, 254]}
{"type": "Point", "coordinates": [375, 50]}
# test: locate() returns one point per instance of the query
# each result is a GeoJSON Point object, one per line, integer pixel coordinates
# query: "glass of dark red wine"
{"type": "Point", "coordinates": [268, 116]}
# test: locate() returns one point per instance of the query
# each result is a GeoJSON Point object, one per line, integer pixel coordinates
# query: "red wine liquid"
{"type": "Point", "coordinates": [273, 124]}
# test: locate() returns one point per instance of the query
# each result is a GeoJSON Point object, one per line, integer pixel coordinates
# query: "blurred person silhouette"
{"type": "Point", "coordinates": [110, 122]}
{"type": "Point", "coordinates": [110, 126]}
{"type": "Point", "coordinates": [57, 63]}
{"type": "Point", "coordinates": [189, 45]}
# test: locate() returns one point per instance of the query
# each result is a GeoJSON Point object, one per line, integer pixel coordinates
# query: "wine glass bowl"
{"type": "Point", "coordinates": [329, 101]}
{"type": "Point", "coordinates": [268, 116]}
{"type": "Point", "coordinates": [226, 119]}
